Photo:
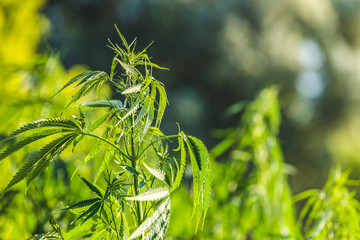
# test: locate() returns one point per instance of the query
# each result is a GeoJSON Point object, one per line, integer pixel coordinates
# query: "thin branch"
{"type": "Point", "coordinates": [157, 140]}
{"type": "Point", "coordinates": [108, 142]}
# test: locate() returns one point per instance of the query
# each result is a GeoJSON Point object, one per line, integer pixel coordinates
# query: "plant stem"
{"type": "Point", "coordinates": [113, 217]}
{"type": "Point", "coordinates": [108, 142]}
{"type": "Point", "coordinates": [157, 140]}
{"type": "Point", "coordinates": [134, 159]}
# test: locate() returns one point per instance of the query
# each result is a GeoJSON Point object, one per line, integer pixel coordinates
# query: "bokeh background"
{"type": "Point", "coordinates": [219, 53]}
{"type": "Point", "coordinates": [223, 52]}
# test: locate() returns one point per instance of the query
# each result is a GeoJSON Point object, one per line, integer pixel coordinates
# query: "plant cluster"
{"type": "Point", "coordinates": [138, 170]}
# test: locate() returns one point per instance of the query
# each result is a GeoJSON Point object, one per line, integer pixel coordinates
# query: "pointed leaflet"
{"type": "Point", "coordinates": [130, 70]}
{"type": "Point", "coordinates": [95, 75]}
{"type": "Point", "coordinates": [150, 64]}
{"type": "Point", "coordinates": [133, 89]}
{"type": "Point", "coordinates": [75, 79]}
{"type": "Point", "coordinates": [132, 110]}
{"type": "Point", "coordinates": [103, 104]}
{"type": "Point", "coordinates": [54, 225]}
{"type": "Point", "coordinates": [99, 235]}
{"type": "Point", "coordinates": [49, 151]}
{"type": "Point", "coordinates": [144, 110]}
{"type": "Point", "coordinates": [153, 194]}
{"type": "Point", "coordinates": [89, 212]}
{"type": "Point", "coordinates": [149, 119]}
{"type": "Point", "coordinates": [83, 203]}
{"type": "Point", "coordinates": [159, 174]}
{"type": "Point", "coordinates": [87, 228]}
{"type": "Point", "coordinates": [88, 87]}
{"type": "Point", "coordinates": [45, 122]}
{"type": "Point", "coordinates": [194, 149]}
{"type": "Point", "coordinates": [92, 187]}
{"type": "Point", "coordinates": [124, 42]}
{"type": "Point", "coordinates": [99, 144]}
{"type": "Point", "coordinates": [199, 154]}
{"type": "Point", "coordinates": [159, 228]}
{"type": "Point", "coordinates": [108, 156]}
{"type": "Point", "coordinates": [181, 169]}
{"type": "Point", "coordinates": [45, 161]}
{"type": "Point", "coordinates": [92, 127]}
{"type": "Point", "coordinates": [128, 168]}
{"type": "Point", "coordinates": [150, 114]}
{"type": "Point", "coordinates": [153, 220]}
{"type": "Point", "coordinates": [196, 184]}
{"type": "Point", "coordinates": [162, 102]}
{"type": "Point", "coordinates": [113, 66]}
{"type": "Point", "coordinates": [88, 157]}
{"type": "Point", "coordinates": [27, 140]}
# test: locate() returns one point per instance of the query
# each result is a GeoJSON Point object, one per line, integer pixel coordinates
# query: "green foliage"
{"type": "Point", "coordinates": [137, 188]}
{"type": "Point", "coordinates": [252, 197]}
{"type": "Point", "coordinates": [333, 212]}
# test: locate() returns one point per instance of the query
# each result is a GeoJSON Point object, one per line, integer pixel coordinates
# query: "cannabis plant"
{"type": "Point", "coordinates": [334, 211]}
{"type": "Point", "coordinates": [253, 199]}
{"type": "Point", "coordinates": [137, 172]}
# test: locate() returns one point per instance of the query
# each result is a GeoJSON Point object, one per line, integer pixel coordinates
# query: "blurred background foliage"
{"type": "Point", "coordinates": [222, 52]}
{"type": "Point", "coordinates": [219, 53]}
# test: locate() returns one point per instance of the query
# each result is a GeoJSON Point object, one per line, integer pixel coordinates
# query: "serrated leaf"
{"type": "Point", "coordinates": [89, 156]}
{"type": "Point", "coordinates": [194, 149]}
{"type": "Point", "coordinates": [133, 89]}
{"type": "Point", "coordinates": [85, 229]}
{"type": "Point", "coordinates": [162, 103]}
{"type": "Point", "coordinates": [128, 68]}
{"type": "Point", "coordinates": [41, 165]}
{"type": "Point", "coordinates": [156, 131]}
{"type": "Point", "coordinates": [27, 140]}
{"type": "Point", "coordinates": [142, 183]}
{"type": "Point", "coordinates": [108, 156]}
{"type": "Point", "coordinates": [113, 66]}
{"type": "Point", "coordinates": [45, 122]}
{"type": "Point", "coordinates": [132, 110]}
{"type": "Point", "coordinates": [85, 90]}
{"type": "Point", "coordinates": [89, 212]}
{"type": "Point", "coordinates": [73, 80]}
{"type": "Point", "coordinates": [159, 174]}
{"type": "Point", "coordinates": [83, 203]}
{"type": "Point", "coordinates": [99, 234]}
{"type": "Point", "coordinates": [181, 169]}
{"type": "Point", "coordinates": [202, 177]}
{"type": "Point", "coordinates": [124, 42]}
{"type": "Point", "coordinates": [144, 111]}
{"type": "Point", "coordinates": [129, 169]}
{"type": "Point", "coordinates": [103, 104]}
{"type": "Point", "coordinates": [48, 152]}
{"type": "Point", "coordinates": [54, 225]}
{"type": "Point", "coordinates": [92, 187]}
{"type": "Point", "coordinates": [149, 119]}
{"type": "Point", "coordinates": [150, 64]}
{"type": "Point", "coordinates": [154, 220]}
{"type": "Point", "coordinates": [97, 123]}
{"type": "Point", "coordinates": [153, 194]}
{"type": "Point", "coordinates": [95, 75]}
{"type": "Point", "coordinates": [159, 228]}
{"type": "Point", "coordinates": [95, 208]}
